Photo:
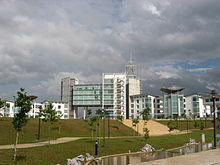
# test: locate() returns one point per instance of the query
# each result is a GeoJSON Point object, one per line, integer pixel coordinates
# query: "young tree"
{"type": "Point", "coordinates": [88, 113]}
{"type": "Point", "coordinates": [146, 116]}
{"type": "Point", "coordinates": [49, 115]}
{"type": "Point", "coordinates": [92, 122]}
{"type": "Point", "coordinates": [2, 105]}
{"type": "Point", "coordinates": [135, 123]}
{"type": "Point", "coordinates": [102, 114]}
{"type": "Point", "coordinates": [23, 102]}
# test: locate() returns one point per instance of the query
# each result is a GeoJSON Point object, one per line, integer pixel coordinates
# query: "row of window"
{"type": "Point", "coordinates": [88, 87]}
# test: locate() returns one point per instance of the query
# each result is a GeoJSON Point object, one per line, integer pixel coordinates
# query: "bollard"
{"type": "Point", "coordinates": [96, 147]}
{"type": "Point", "coordinates": [202, 138]}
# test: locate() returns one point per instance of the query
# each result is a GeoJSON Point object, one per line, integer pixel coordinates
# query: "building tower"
{"type": "Point", "coordinates": [67, 84]}
{"type": "Point", "coordinates": [130, 69]}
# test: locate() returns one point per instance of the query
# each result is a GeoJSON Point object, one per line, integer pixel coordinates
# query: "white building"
{"type": "Point", "coordinates": [114, 93]}
{"type": "Point", "coordinates": [139, 103]}
{"type": "Point", "coordinates": [61, 107]}
{"type": "Point", "coordinates": [195, 106]}
{"type": "Point", "coordinates": [8, 111]}
{"type": "Point", "coordinates": [134, 88]}
{"type": "Point", "coordinates": [209, 102]}
{"type": "Point", "coordinates": [36, 107]}
{"type": "Point", "coordinates": [158, 107]}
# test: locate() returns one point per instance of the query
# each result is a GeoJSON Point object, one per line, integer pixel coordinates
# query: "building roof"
{"type": "Point", "coordinates": [142, 95]}
{"type": "Point", "coordinates": [170, 90]}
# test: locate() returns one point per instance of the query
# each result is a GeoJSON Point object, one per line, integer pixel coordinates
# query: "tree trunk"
{"type": "Point", "coordinates": [16, 142]}
{"type": "Point", "coordinates": [49, 136]}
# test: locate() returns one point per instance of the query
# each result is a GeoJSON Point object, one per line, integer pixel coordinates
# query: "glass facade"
{"type": "Point", "coordinates": [173, 105]}
{"type": "Point", "coordinates": [108, 92]}
{"type": "Point", "coordinates": [148, 102]}
{"type": "Point", "coordinates": [87, 95]}
{"type": "Point", "coordinates": [195, 101]}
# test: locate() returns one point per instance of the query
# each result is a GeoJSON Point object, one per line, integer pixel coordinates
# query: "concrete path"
{"type": "Point", "coordinates": [57, 141]}
{"type": "Point", "coordinates": [211, 157]}
{"type": "Point", "coordinates": [29, 145]}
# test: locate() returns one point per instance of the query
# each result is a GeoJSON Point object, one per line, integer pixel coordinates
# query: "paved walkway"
{"type": "Point", "coordinates": [211, 157]}
{"type": "Point", "coordinates": [56, 141]}
{"type": "Point", "coordinates": [29, 145]}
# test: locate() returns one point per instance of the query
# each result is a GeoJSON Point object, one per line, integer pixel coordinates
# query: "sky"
{"type": "Point", "coordinates": [173, 43]}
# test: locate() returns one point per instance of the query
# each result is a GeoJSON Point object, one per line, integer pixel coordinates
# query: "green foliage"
{"type": "Point", "coordinates": [146, 133]}
{"type": "Point", "coordinates": [2, 103]}
{"type": "Point", "coordinates": [201, 125]}
{"type": "Point", "coordinates": [101, 113]}
{"type": "Point", "coordinates": [49, 114]}
{"type": "Point", "coordinates": [24, 103]}
{"type": "Point", "coordinates": [135, 122]}
{"type": "Point", "coordinates": [88, 112]}
{"type": "Point", "coordinates": [120, 118]}
{"type": "Point", "coordinates": [196, 124]}
{"type": "Point", "coordinates": [171, 125]}
{"type": "Point", "coordinates": [146, 113]}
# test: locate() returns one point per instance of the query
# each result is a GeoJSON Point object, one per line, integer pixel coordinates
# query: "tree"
{"type": "Point", "coordinates": [146, 116]}
{"type": "Point", "coordinates": [2, 105]}
{"type": "Point", "coordinates": [92, 122]}
{"type": "Point", "coordinates": [49, 115]}
{"type": "Point", "coordinates": [135, 123]}
{"type": "Point", "coordinates": [102, 114]}
{"type": "Point", "coordinates": [120, 118]}
{"type": "Point", "coordinates": [23, 102]}
{"type": "Point", "coordinates": [88, 113]}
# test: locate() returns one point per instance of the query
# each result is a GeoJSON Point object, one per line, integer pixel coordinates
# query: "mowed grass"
{"type": "Point", "coordinates": [68, 128]}
{"type": "Point", "coordinates": [60, 152]}
{"type": "Point", "coordinates": [182, 124]}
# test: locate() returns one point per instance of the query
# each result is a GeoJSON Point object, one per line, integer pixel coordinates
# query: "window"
{"type": "Point", "coordinates": [132, 105]}
{"type": "Point", "coordinates": [158, 106]}
{"type": "Point", "coordinates": [217, 99]}
{"type": "Point", "coordinates": [59, 106]}
{"type": "Point", "coordinates": [137, 101]}
{"type": "Point", "coordinates": [143, 106]}
{"type": "Point", "coordinates": [137, 106]}
{"type": "Point", "coordinates": [132, 111]}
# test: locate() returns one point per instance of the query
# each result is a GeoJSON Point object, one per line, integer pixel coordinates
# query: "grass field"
{"type": "Point", "coordinates": [69, 128]}
{"type": "Point", "coordinates": [182, 124]}
{"type": "Point", "coordinates": [60, 152]}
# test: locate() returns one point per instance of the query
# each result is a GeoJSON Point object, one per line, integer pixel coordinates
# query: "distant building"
{"type": "Point", "coordinates": [173, 102]}
{"type": "Point", "coordinates": [209, 102]}
{"type": "Point", "coordinates": [61, 107]}
{"type": "Point", "coordinates": [67, 84]}
{"type": "Point", "coordinates": [139, 103]}
{"type": "Point", "coordinates": [195, 106]}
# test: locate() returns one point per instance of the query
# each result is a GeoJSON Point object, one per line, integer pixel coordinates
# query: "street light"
{"type": "Point", "coordinates": [213, 94]}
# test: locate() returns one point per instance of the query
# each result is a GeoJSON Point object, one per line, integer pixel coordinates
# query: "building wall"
{"type": "Point", "coordinates": [134, 88]}
{"type": "Point", "coordinates": [173, 105]}
{"type": "Point", "coordinates": [139, 103]}
{"type": "Point", "coordinates": [195, 106]}
{"type": "Point", "coordinates": [67, 84]}
{"type": "Point", "coordinates": [114, 85]}
{"type": "Point", "coordinates": [61, 107]}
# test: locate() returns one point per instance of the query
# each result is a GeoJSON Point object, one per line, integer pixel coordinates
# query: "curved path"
{"type": "Point", "coordinates": [29, 145]}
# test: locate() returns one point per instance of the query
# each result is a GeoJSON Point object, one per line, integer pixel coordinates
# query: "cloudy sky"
{"type": "Point", "coordinates": [174, 43]}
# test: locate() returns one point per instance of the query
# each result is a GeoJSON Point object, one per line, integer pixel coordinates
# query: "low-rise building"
{"type": "Point", "coordinates": [141, 102]}
{"type": "Point", "coordinates": [195, 106]}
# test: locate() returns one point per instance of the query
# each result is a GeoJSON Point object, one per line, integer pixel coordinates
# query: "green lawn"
{"type": "Point", "coordinates": [69, 128]}
{"type": "Point", "coordinates": [182, 124]}
{"type": "Point", "coordinates": [60, 152]}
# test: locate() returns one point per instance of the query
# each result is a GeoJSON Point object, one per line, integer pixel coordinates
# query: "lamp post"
{"type": "Point", "coordinates": [213, 93]}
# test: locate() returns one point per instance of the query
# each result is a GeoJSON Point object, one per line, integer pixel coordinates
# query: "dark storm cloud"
{"type": "Point", "coordinates": [43, 41]}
